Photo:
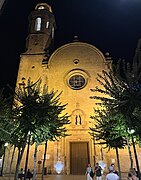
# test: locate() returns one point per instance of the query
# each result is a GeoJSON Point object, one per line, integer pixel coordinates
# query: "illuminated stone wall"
{"type": "Point", "coordinates": [73, 60]}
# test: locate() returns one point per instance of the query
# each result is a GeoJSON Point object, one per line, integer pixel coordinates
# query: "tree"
{"type": "Point", "coordinates": [36, 112]}
{"type": "Point", "coordinates": [121, 88]}
{"type": "Point", "coordinates": [52, 126]}
{"type": "Point", "coordinates": [6, 125]}
{"type": "Point", "coordinates": [110, 130]}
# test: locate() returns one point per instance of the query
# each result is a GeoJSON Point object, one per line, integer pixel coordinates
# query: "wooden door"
{"type": "Point", "coordinates": [79, 157]}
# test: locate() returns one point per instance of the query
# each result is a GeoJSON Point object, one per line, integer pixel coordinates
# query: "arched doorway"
{"type": "Point", "coordinates": [79, 157]}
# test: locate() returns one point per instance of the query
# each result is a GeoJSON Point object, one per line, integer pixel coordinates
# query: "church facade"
{"type": "Point", "coordinates": [71, 69]}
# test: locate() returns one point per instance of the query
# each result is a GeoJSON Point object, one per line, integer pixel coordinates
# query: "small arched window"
{"type": "Point", "coordinates": [38, 24]}
{"type": "Point", "coordinates": [41, 7]}
{"type": "Point", "coordinates": [47, 24]}
{"type": "Point", "coordinates": [52, 32]}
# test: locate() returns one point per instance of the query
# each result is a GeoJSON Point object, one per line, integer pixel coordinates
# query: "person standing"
{"type": "Point", "coordinates": [131, 176]}
{"type": "Point", "coordinates": [21, 174]}
{"type": "Point", "coordinates": [29, 174]}
{"type": "Point", "coordinates": [114, 171]}
{"type": "Point", "coordinates": [111, 175]}
{"type": "Point", "coordinates": [97, 171]}
{"type": "Point", "coordinates": [88, 171]}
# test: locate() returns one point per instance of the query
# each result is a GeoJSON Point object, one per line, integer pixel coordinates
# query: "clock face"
{"type": "Point", "coordinates": [77, 82]}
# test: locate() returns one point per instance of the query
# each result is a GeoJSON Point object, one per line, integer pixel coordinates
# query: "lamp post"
{"type": "Point", "coordinates": [135, 152]}
{"type": "Point", "coordinates": [101, 153]}
{"type": "Point", "coordinates": [27, 155]}
{"type": "Point", "coordinates": [94, 149]}
{"type": "Point", "coordinates": [130, 154]}
{"type": "Point", "coordinates": [1, 173]}
{"type": "Point", "coordinates": [94, 144]}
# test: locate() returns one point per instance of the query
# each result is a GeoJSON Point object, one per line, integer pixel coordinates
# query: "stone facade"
{"type": "Point", "coordinates": [71, 69]}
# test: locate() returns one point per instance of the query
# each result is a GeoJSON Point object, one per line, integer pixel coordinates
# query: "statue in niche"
{"type": "Point", "coordinates": [77, 117]}
{"type": "Point", "coordinates": [78, 120]}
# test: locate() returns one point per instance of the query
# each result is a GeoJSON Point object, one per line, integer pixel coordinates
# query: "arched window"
{"type": "Point", "coordinates": [38, 24]}
{"type": "Point", "coordinates": [52, 32]}
{"type": "Point", "coordinates": [47, 24]}
{"type": "Point", "coordinates": [41, 7]}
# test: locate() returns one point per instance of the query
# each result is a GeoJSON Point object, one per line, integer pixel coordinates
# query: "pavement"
{"type": "Point", "coordinates": [53, 177]}
{"type": "Point", "coordinates": [61, 177]}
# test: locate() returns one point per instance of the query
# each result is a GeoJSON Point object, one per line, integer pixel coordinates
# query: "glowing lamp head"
{"type": "Point", "coordinates": [131, 131]}
{"type": "Point", "coordinates": [59, 166]}
{"type": "Point", "coordinates": [6, 144]}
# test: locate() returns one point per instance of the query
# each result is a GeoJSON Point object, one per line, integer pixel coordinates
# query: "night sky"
{"type": "Point", "coordinates": [112, 26]}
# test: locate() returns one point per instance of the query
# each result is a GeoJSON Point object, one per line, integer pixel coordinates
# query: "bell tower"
{"type": "Point", "coordinates": [41, 29]}
{"type": "Point", "coordinates": [34, 61]}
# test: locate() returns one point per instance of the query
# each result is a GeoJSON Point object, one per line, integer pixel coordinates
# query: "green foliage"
{"type": "Point", "coordinates": [38, 112]}
{"type": "Point", "coordinates": [120, 96]}
{"type": "Point", "coordinates": [6, 124]}
{"type": "Point", "coordinates": [117, 94]}
{"type": "Point", "coordinates": [109, 128]}
{"type": "Point", "coordinates": [120, 92]}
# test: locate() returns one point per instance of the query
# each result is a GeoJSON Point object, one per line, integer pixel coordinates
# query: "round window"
{"type": "Point", "coordinates": [77, 82]}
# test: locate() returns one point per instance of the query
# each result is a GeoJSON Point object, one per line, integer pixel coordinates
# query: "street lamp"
{"type": "Point", "coordinates": [94, 143]}
{"type": "Point", "coordinates": [131, 132]}
{"type": "Point", "coordinates": [27, 155]}
{"type": "Point", "coordinates": [5, 145]}
{"type": "Point", "coordinates": [94, 149]}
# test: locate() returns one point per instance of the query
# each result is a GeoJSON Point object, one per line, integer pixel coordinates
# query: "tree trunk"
{"type": "Point", "coordinates": [130, 154]}
{"type": "Point", "coordinates": [3, 159]}
{"type": "Point", "coordinates": [35, 155]}
{"type": "Point", "coordinates": [12, 162]}
{"type": "Point", "coordinates": [44, 160]}
{"type": "Point", "coordinates": [27, 155]}
{"type": "Point", "coordinates": [18, 163]}
{"type": "Point", "coordinates": [118, 162]}
{"type": "Point", "coordinates": [136, 159]}
{"type": "Point", "coordinates": [20, 154]}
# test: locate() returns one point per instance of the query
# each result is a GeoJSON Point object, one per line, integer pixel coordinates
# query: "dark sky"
{"type": "Point", "coordinates": [110, 25]}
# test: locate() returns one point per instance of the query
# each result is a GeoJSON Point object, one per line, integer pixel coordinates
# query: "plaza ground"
{"type": "Point", "coordinates": [62, 177]}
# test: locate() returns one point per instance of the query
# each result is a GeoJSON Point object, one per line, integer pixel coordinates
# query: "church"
{"type": "Point", "coordinates": [71, 69]}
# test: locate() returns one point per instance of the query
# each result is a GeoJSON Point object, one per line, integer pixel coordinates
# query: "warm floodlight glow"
{"type": "Point", "coordinates": [59, 166]}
